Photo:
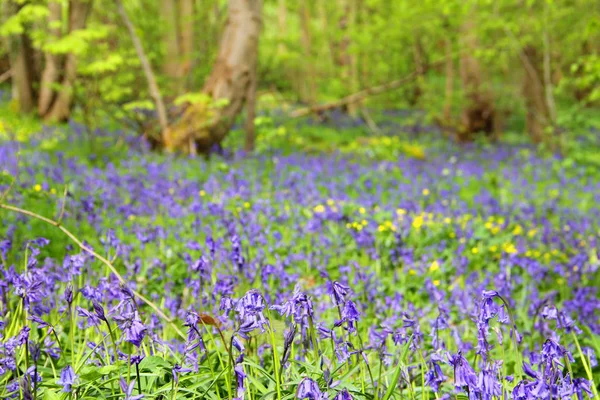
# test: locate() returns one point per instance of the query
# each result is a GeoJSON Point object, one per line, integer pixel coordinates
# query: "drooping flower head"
{"type": "Point", "coordinates": [309, 389]}
{"type": "Point", "coordinates": [68, 378]}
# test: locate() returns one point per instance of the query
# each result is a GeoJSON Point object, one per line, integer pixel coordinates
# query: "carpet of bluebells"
{"type": "Point", "coordinates": [463, 273]}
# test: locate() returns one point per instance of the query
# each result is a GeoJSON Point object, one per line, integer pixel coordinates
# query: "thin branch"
{"type": "Point", "coordinates": [152, 85]}
{"type": "Point", "coordinates": [62, 207]}
{"type": "Point", "coordinates": [5, 76]}
{"type": "Point", "coordinates": [97, 256]}
{"type": "Point", "coordinates": [372, 91]}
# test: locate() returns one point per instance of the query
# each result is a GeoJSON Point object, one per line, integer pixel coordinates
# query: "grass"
{"type": "Point", "coordinates": [382, 248]}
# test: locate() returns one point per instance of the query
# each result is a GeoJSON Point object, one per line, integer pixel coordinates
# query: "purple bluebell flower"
{"type": "Point", "coordinates": [68, 379]}
{"type": "Point", "coordinates": [464, 375]}
{"type": "Point", "coordinates": [240, 377]}
{"type": "Point", "coordinates": [128, 389]}
{"type": "Point", "coordinates": [435, 376]}
{"type": "Point", "coordinates": [350, 316]}
{"type": "Point", "coordinates": [178, 370]}
{"type": "Point", "coordinates": [343, 395]}
{"type": "Point", "coordinates": [309, 389]}
{"type": "Point", "coordinates": [131, 325]}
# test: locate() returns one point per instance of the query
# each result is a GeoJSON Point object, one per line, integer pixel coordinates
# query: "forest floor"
{"type": "Point", "coordinates": [337, 261]}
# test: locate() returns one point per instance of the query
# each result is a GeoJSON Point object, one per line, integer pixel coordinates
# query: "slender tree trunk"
{"type": "Point", "coordinates": [353, 58]}
{"type": "Point", "coordinates": [281, 25]}
{"type": "Point", "coordinates": [186, 39]}
{"type": "Point", "coordinates": [251, 112]}
{"type": "Point", "coordinates": [79, 11]}
{"type": "Point", "coordinates": [21, 63]}
{"type": "Point", "coordinates": [152, 85]}
{"type": "Point", "coordinates": [171, 66]}
{"type": "Point", "coordinates": [310, 86]}
{"type": "Point", "coordinates": [53, 62]}
{"type": "Point", "coordinates": [478, 114]}
{"type": "Point", "coordinates": [231, 77]}
{"type": "Point", "coordinates": [449, 87]}
{"type": "Point", "coordinates": [538, 114]}
{"type": "Point", "coordinates": [420, 67]}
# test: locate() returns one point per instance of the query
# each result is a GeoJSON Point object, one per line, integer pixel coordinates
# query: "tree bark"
{"type": "Point", "coordinates": [478, 114]}
{"type": "Point", "coordinates": [186, 40]}
{"type": "Point", "coordinates": [21, 62]}
{"type": "Point", "coordinates": [53, 67]}
{"type": "Point", "coordinates": [281, 25]}
{"type": "Point", "coordinates": [449, 87]}
{"type": "Point", "coordinates": [538, 113]}
{"type": "Point", "coordinates": [79, 10]}
{"type": "Point", "coordinates": [152, 85]}
{"type": "Point", "coordinates": [310, 86]}
{"type": "Point", "coordinates": [229, 81]}
{"type": "Point", "coordinates": [251, 113]}
{"type": "Point", "coordinates": [420, 67]}
{"type": "Point", "coordinates": [168, 9]}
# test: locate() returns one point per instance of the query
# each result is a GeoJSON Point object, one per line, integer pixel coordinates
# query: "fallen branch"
{"type": "Point", "coordinates": [97, 256]}
{"type": "Point", "coordinates": [355, 97]}
{"type": "Point", "coordinates": [372, 91]}
{"type": "Point", "coordinates": [5, 76]}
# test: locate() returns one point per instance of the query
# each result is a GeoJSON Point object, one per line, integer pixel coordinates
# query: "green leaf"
{"type": "Point", "coordinates": [107, 369]}
{"type": "Point", "coordinates": [153, 363]}
{"type": "Point", "coordinates": [51, 394]}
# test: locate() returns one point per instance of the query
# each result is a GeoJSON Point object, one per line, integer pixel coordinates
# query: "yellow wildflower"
{"type": "Point", "coordinates": [509, 248]}
{"type": "Point", "coordinates": [417, 222]}
{"type": "Point", "coordinates": [434, 266]}
{"type": "Point", "coordinates": [319, 208]}
{"type": "Point", "coordinates": [37, 188]}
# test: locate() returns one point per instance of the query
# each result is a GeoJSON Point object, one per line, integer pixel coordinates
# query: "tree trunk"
{"type": "Point", "coordinates": [310, 86]}
{"type": "Point", "coordinates": [251, 113]}
{"type": "Point", "coordinates": [420, 67]}
{"type": "Point", "coordinates": [79, 11]}
{"type": "Point", "coordinates": [168, 9]}
{"type": "Point", "coordinates": [186, 40]}
{"type": "Point", "coordinates": [538, 114]}
{"type": "Point", "coordinates": [281, 26]}
{"type": "Point", "coordinates": [53, 66]}
{"type": "Point", "coordinates": [231, 76]}
{"type": "Point", "coordinates": [478, 114]}
{"type": "Point", "coordinates": [449, 88]}
{"type": "Point", "coordinates": [21, 62]}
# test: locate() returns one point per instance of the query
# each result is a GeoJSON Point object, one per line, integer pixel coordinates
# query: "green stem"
{"type": "Point", "coordinates": [587, 368]}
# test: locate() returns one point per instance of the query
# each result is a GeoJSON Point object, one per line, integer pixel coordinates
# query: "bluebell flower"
{"type": "Point", "coordinates": [240, 377]}
{"type": "Point", "coordinates": [343, 395]}
{"type": "Point", "coordinates": [309, 389]}
{"type": "Point", "coordinates": [128, 389]}
{"type": "Point", "coordinates": [178, 370]}
{"type": "Point", "coordinates": [68, 379]}
{"type": "Point", "coordinates": [464, 375]}
{"type": "Point", "coordinates": [130, 323]}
